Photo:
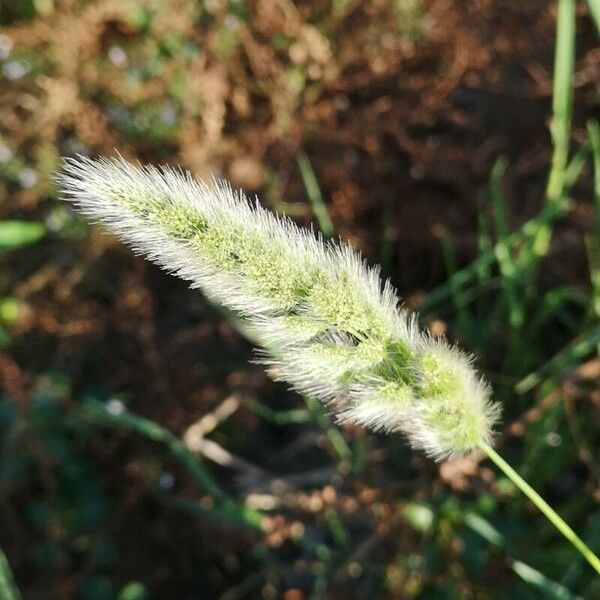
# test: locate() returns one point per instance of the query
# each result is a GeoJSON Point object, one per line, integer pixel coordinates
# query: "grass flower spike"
{"type": "Point", "coordinates": [325, 321]}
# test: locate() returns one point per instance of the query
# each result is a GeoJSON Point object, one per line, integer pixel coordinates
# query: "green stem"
{"type": "Point", "coordinates": [562, 96]}
{"type": "Point", "coordinates": [562, 111]}
{"type": "Point", "coordinates": [548, 511]}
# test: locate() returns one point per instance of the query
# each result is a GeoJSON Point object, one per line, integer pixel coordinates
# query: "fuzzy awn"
{"type": "Point", "coordinates": [322, 317]}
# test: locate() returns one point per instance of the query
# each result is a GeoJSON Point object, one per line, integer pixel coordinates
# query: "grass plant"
{"type": "Point", "coordinates": [326, 323]}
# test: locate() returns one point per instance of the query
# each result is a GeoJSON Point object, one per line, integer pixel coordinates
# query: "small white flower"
{"type": "Point", "coordinates": [325, 321]}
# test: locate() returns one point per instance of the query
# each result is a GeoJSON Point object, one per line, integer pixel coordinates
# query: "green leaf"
{"type": "Point", "coordinates": [419, 516]}
{"type": "Point", "coordinates": [134, 590]}
{"type": "Point", "coordinates": [485, 529]}
{"type": "Point", "coordinates": [15, 234]}
{"type": "Point", "coordinates": [315, 196]}
{"type": "Point", "coordinates": [4, 337]}
{"type": "Point", "coordinates": [551, 589]}
{"type": "Point", "coordinates": [10, 309]}
{"type": "Point", "coordinates": [8, 588]}
{"type": "Point", "coordinates": [571, 355]}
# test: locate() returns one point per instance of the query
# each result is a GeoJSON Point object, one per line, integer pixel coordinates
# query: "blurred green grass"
{"type": "Point", "coordinates": [343, 513]}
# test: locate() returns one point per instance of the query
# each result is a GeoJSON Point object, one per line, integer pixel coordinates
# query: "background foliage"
{"type": "Point", "coordinates": [137, 441]}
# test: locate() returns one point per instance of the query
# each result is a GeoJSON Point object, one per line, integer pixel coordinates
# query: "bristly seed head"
{"type": "Point", "coordinates": [322, 317]}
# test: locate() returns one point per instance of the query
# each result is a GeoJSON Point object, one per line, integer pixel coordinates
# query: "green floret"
{"type": "Point", "coordinates": [396, 366]}
{"type": "Point", "coordinates": [337, 300]}
{"type": "Point", "coordinates": [454, 422]}
{"type": "Point", "coordinates": [230, 247]}
{"type": "Point", "coordinates": [396, 392]}
{"type": "Point", "coordinates": [351, 362]}
{"type": "Point", "coordinates": [176, 219]}
{"type": "Point", "coordinates": [438, 379]}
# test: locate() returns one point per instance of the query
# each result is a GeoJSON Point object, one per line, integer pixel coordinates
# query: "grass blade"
{"type": "Point", "coordinates": [315, 196]}
{"type": "Point", "coordinates": [548, 215]}
{"type": "Point", "coordinates": [562, 110]}
{"type": "Point", "coordinates": [572, 354]}
{"type": "Point", "coordinates": [594, 6]}
{"type": "Point", "coordinates": [533, 577]}
{"type": "Point", "coordinates": [551, 589]}
{"type": "Point", "coordinates": [506, 262]}
{"type": "Point", "coordinates": [8, 587]}
{"type": "Point", "coordinates": [15, 234]}
{"type": "Point", "coordinates": [593, 240]}
{"type": "Point", "coordinates": [458, 299]}
{"type": "Point", "coordinates": [226, 507]}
